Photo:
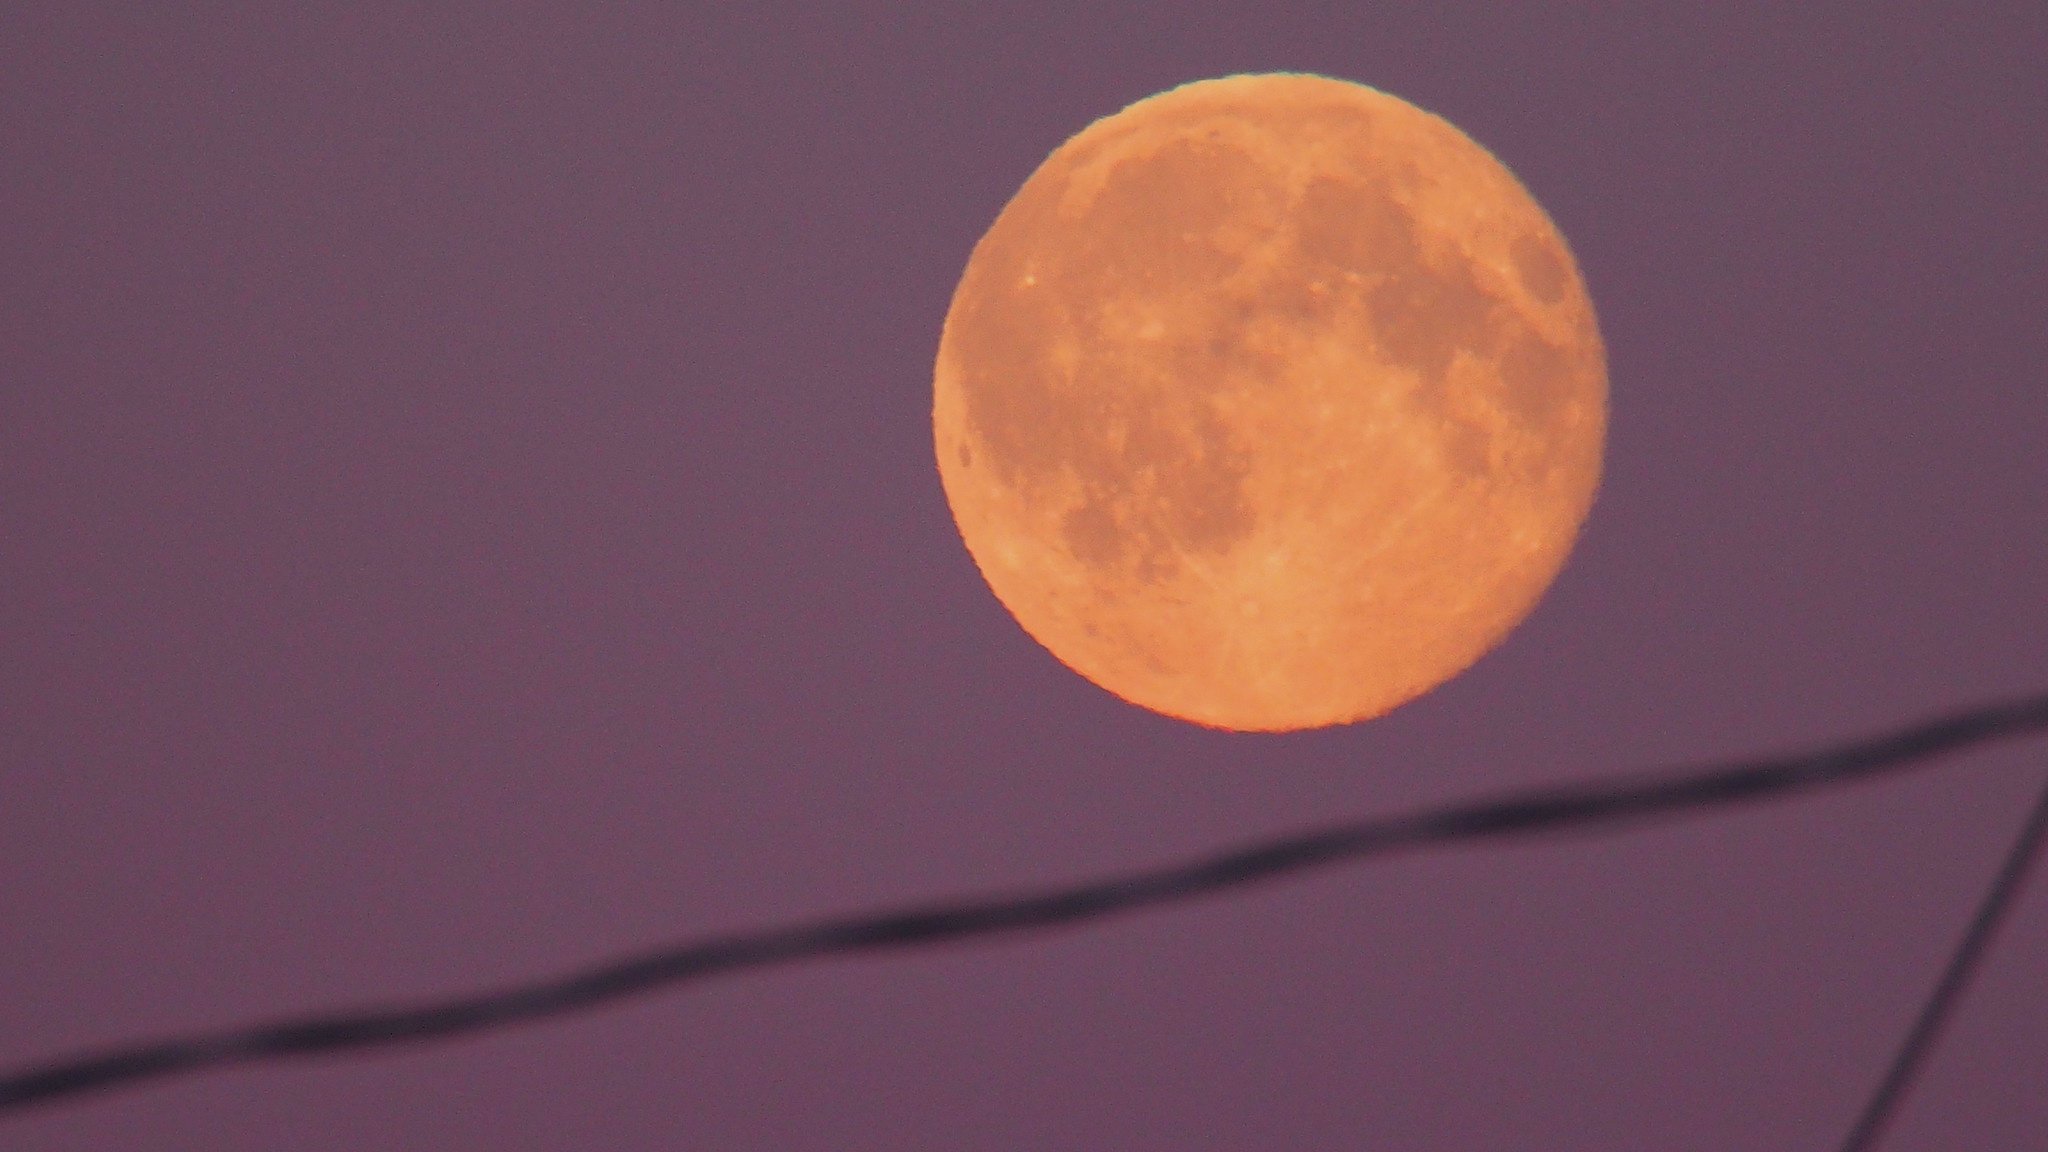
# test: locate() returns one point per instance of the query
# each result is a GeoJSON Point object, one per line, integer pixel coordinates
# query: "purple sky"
{"type": "Point", "coordinates": [467, 509]}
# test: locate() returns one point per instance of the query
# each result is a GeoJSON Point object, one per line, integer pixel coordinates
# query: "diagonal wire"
{"type": "Point", "coordinates": [1934, 1014]}
{"type": "Point", "coordinates": [1627, 799]}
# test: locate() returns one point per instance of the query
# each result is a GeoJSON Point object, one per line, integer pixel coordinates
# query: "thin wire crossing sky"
{"type": "Point", "coordinates": [1934, 1014]}
{"type": "Point", "coordinates": [1576, 807]}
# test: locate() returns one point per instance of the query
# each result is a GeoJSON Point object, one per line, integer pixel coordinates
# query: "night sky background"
{"type": "Point", "coordinates": [467, 509]}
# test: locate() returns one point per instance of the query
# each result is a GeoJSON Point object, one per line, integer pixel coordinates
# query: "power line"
{"type": "Point", "coordinates": [1883, 1105]}
{"type": "Point", "coordinates": [1632, 798]}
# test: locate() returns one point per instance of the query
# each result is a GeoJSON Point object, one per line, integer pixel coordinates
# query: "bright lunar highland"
{"type": "Point", "coordinates": [1270, 402]}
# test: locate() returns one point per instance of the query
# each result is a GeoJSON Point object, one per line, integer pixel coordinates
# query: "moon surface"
{"type": "Point", "coordinates": [1270, 402]}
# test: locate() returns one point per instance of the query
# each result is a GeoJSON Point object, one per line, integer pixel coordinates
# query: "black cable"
{"type": "Point", "coordinates": [1632, 798]}
{"type": "Point", "coordinates": [1934, 1014]}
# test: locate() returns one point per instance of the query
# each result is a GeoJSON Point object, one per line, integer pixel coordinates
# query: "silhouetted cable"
{"type": "Point", "coordinates": [1934, 1014]}
{"type": "Point", "coordinates": [1632, 798]}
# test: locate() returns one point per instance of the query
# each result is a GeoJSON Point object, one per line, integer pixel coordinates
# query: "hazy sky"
{"type": "Point", "coordinates": [467, 508]}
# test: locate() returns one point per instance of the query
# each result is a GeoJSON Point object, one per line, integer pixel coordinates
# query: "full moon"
{"type": "Point", "coordinates": [1270, 402]}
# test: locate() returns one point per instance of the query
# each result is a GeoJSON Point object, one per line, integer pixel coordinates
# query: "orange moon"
{"type": "Point", "coordinates": [1270, 402]}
